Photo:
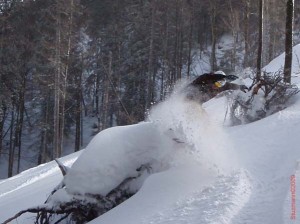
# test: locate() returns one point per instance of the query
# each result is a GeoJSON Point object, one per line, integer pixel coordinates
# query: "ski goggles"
{"type": "Point", "coordinates": [220, 83]}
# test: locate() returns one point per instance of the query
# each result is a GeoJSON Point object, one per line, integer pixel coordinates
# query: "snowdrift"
{"type": "Point", "coordinates": [114, 155]}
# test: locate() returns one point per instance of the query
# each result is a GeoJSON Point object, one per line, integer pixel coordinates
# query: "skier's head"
{"type": "Point", "coordinates": [220, 83]}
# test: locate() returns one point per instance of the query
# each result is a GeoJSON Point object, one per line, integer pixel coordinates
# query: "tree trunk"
{"type": "Point", "coordinates": [260, 40]}
{"type": "Point", "coordinates": [62, 55]}
{"type": "Point", "coordinates": [78, 109]}
{"type": "Point", "coordinates": [175, 54]}
{"type": "Point", "coordinates": [150, 77]}
{"type": "Point", "coordinates": [271, 45]}
{"type": "Point", "coordinates": [246, 33]}
{"type": "Point", "coordinates": [64, 77]}
{"type": "Point", "coordinates": [2, 117]}
{"type": "Point", "coordinates": [165, 79]}
{"type": "Point", "coordinates": [1, 133]}
{"type": "Point", "coordinates": [97, 97]}
{"type": "Point", "coordinates": [19, 127]}
{"type": "Point", "coordinates": [180, 43]}
{"type": "Point", "coordinates": [213, 12]}
{"type": "Point", "coordinates": [190, 39]}
{"type": "Point", "coordinates": [11, 155]}
{"type": "Point", "coordinates": [78, 124]}
{"type": "Point", "coordinates": [56, 114]}
{"type": "Point", "coordinates": [106, 93]}
{"type": "Point", "coordinates": [289, 40]}
{"type": "Point", "coordinates": [44, 133]}
{"type": "Point", "coordinates": [43, 147]}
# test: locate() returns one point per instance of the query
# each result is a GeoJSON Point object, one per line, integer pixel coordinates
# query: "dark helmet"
{"type": "Point", "coordinates": [228, 78]}
{"type": "Point", "coordinates": [209, 78]}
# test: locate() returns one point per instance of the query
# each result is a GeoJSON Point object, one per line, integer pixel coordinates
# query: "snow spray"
{"type": "Point", "coordinates": [193, 131]}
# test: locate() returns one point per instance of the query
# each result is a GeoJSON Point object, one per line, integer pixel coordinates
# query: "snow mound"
{"type": "Point", "coordinates": [176, 128]}
{"type": "Point", "coordinates": [115, 154]}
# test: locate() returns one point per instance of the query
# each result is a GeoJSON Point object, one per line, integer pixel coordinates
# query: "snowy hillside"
{"type": "Point", "coordinates": [201, 170]}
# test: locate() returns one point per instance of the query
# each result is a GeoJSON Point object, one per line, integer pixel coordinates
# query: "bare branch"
{"type": "Point", "coordinates": [62, 167]}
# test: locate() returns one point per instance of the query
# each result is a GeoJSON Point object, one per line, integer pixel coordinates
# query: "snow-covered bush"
{"type": "Point", "coordinates": [266, 96]}
{"type": "Point", "coordinates": [67, 207]}
{"type": "Point", "coordinates": [109, 171]}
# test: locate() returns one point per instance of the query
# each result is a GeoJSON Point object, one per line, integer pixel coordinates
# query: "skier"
{"type": "Point", "coordinates": [211, 84]}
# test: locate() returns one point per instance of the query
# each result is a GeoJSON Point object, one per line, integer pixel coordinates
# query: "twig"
{"type": "Point", "coordinates": [62, 167]}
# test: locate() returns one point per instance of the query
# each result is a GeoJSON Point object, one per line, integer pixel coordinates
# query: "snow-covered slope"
{"type": "Point", "coordinates": [191, 192]}
{"type": "Point", "coordinates": [278, 63]}
{"type": "Point", "coordinates": [30, 188]}
{"type": "Point", "coordinates": [203, 172]}
{"type": "Point", "coordinates": [258, 191]}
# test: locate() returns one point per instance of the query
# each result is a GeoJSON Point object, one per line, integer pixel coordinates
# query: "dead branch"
{"type": "Point", "coordinates": [276, 94]}
{"type": "Point", "coordinates": [62, 167]}
{"type": "Point", "coordinates": [40, 210]}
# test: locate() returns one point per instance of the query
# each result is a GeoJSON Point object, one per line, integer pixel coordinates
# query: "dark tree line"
{"type": "Point", "coordinates": [62, 61]}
